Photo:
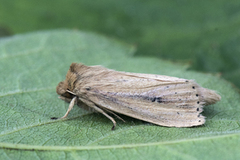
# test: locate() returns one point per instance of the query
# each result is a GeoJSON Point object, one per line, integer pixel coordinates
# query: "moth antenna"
{"type": "Point", "coordinates": [69, 108]}
{"type": "Point", "coordinates": [71, 92]}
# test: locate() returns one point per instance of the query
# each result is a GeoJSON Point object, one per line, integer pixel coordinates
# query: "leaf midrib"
{"type": "Point", "coordinates": [26, 91]}
{"type": "Point", "coordinates": [97, 147]}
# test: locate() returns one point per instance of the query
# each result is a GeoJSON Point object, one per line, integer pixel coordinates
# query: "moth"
{"type": "Point", "coordinates": [162, 100]}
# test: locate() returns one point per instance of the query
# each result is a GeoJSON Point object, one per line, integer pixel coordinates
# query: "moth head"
{"type": "Point", "coordinates": [62, 89]}
{"type": "Point", "coordinates": [65, 88]}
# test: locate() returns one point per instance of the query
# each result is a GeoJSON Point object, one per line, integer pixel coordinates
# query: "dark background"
{"type": "Point", "coordinates": [204, 34]}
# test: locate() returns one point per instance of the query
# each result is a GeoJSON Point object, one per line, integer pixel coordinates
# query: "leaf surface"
{"type": "Point", "coordinates": [31, 66]}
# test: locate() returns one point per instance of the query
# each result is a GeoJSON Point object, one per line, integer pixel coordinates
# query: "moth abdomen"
{"type": "Point", "coordinates": [208, 96]}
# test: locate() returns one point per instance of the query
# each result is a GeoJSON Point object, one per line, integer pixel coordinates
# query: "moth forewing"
{"type": "Point", "coordinates": [166, 108]}
{"type": "Point", "coordinates": [162, 100]}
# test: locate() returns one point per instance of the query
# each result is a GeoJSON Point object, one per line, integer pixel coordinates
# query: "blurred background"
{"type": "Point", "coordinates": [203, 34]}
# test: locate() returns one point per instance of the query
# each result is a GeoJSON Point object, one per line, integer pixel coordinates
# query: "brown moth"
{"type": "Point", "coordinates": [162, 100]}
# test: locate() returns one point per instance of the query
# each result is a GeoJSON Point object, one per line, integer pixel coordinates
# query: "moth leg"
{"type": "Point", "coordinates": [92, 105]}
{"type": "Point", "coordinates": [105, 114]}
{"type": "Point", "coordinates": [114, 114]}
{"type": "Point", "coordinates": [69, 108]}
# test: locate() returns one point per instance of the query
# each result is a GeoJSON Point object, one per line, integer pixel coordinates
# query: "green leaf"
{"type": "Point", "coordinates": [31, 66]}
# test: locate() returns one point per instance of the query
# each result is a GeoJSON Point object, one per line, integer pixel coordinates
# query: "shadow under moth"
{"type": "Point", "coordinates": [162, 100]}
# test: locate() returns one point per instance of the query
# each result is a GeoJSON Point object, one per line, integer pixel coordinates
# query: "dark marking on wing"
{"type": "Point", "coordinates": [154, 99]}
{"type": "Point", "coordinates": [135, 96]}
{"type": "Point", "coordinates": [186, 106]}
{"type": "Point", "coordinates": [159, 100]}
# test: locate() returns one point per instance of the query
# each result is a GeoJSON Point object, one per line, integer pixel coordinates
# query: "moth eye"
{"type": "Point", "coordinates": [88, 88]}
